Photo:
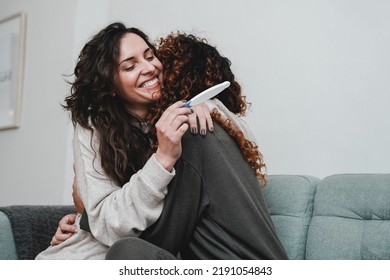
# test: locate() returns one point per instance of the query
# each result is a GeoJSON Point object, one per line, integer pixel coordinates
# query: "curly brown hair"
{"type": "Point", "coordinates": [123, 146]}
{"type": "Point", "coordinates": [191, 65]}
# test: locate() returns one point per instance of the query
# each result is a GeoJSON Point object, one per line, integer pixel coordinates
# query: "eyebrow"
{"type": "Point", "coordinates": [132, 57]}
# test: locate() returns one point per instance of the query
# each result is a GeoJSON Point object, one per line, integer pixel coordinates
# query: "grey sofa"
{"type": "Point", "coordinates": [344, 216]}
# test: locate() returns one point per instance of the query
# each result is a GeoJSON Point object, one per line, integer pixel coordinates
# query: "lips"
{"type": "Point", "coordinates": [150, 83]}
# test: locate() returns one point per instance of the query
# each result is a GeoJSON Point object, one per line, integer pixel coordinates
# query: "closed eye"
{"type": "Point", "coordinates": [130, 68]}
{"type": "Point", "coordinates": [149, 55]}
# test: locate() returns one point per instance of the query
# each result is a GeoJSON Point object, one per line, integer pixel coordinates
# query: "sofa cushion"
{"type": "Point", "coordinates": [290, 202]}
{"type": "Point", "coordinates": [7, 244]}
{"type": "Point", "coordinates": [351, 218]}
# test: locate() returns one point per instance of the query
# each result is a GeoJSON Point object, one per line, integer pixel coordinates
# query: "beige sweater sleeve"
{"type": "Point", "coordinates": [116, 211]}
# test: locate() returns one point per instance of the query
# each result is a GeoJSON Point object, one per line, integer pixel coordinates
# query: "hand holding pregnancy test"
{"type": "Point", "coordinates": [207, 94]}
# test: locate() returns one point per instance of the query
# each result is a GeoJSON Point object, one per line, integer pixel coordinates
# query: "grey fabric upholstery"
{"type": "Point", "coordinates": [33, 227]}
{"type": "Point", "coordinates": [7, 242]}
{"type": "Point", "coordinates": [351, 218]}
{"type": "Point", "coordinates": [344, 216]}
{"type": "Point", "coordinates": [290, 201]}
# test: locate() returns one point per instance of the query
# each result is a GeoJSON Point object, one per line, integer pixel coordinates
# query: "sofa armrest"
{"type": "Point", "coordinates": [7, 243]}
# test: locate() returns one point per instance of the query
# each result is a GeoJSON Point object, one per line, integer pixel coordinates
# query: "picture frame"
{"type": "Point", "coordinates": [12, 50]}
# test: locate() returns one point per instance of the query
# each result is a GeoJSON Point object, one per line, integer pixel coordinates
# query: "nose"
{"type": "Point", "coordinates": [147, 67]}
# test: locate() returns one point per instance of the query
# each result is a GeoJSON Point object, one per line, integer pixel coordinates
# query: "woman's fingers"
{"type": "Point", "coordinates": [59, 238]}
{"type": "Point", "coordinates": [65, 229]}
{"type": "Point", "coordinates": [193, 122]}
{"type": "Point", "coordinates": [179, 121]}
{"type": "Point", "coordinates": [173, 118]}
{"type": "Point", "coordinates": [173, 111]}
{"type": "Point", "coordinates": [170, 129]}
{"type": "Point", "coordinates": [201, 119]}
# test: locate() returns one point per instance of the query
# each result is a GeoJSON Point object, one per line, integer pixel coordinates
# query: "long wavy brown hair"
{"type": "Point", "coordinates": [191, 65]}
{"type": "Point", "coordinates": [124, 148]}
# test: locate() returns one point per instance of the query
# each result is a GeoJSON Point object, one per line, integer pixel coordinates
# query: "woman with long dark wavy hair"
{"type": "Point", "coordinates": [121, 181]}
{"type": "Point", "coordinates": [214, 208]}
{"type": "Point", "coordinates": [187, 73]}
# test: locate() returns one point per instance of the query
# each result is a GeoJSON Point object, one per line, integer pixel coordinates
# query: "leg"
{"type": "Point", "coordinates": [181, 211]}
{"type": "Point", "coordinates": [133, 248]}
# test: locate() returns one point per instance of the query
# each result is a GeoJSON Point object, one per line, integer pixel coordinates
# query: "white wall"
{"type": "Point", "coordinates": [36, 159]}
{"type": "Point", "coordinates": [316, 73]}
{"type": "Point", "coordinates": [32, 158]}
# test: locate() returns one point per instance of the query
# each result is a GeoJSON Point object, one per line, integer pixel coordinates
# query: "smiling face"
{"type": "Point", "coordinates": [139, 78]}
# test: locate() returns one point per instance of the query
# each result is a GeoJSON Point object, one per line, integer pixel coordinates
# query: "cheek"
{"type": "Point", "coordinates": [158, 65]}
{"type": "Point", "coordinates": [126, 81]}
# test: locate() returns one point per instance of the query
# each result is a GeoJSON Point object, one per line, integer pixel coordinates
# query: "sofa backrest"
{"type": "Point", "coordinates": [351, 218]}
{"type": "Point", "coordinates": [290, 202]}
{"type": "Point", "coordinates": [29, 228]}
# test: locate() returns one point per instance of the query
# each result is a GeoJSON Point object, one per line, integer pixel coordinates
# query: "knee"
{"type": "Point", "coordinates": [133, 248]}
{"type": "Point", "coordinates": [125, 249]}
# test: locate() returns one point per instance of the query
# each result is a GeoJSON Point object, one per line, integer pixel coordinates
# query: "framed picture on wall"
{"type": "Point", "coordinates": [12, 44]}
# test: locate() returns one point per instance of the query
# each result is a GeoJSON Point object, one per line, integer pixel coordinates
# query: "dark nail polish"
{"type": "Point", "coordinates": [203, 132]}
{"type": "Point", "coordinates": [194, 130]}
{"type": "Point", "coordinates": [211, 129]}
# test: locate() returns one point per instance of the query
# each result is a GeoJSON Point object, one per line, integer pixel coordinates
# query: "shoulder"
{"type": "Point", "coordinates": [85, 139]}
{"type": "Point", "coordinates": [85, 134]}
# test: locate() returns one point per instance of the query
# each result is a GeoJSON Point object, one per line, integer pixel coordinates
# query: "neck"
{"type": "Point", "coordinates": [140, 113]}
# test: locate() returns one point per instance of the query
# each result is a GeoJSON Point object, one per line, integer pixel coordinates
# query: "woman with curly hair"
{"type": "Point", "coordinates": [121, 181]}
{"type": "Point", "coordinates": [214, 208]}
{"type": "Point", "coordinates": [191, 65]}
